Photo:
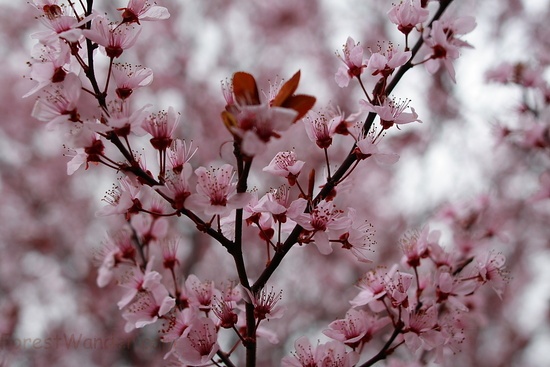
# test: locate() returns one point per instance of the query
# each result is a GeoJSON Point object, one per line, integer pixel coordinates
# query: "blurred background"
{"type": "Point", "coordinates": [475, 169]}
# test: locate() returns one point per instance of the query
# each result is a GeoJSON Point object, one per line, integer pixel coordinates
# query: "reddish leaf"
{"type": "Point", "coordinates": [300, 103]}
{"type": "Point", "coordinates": [287, 90]}
{"type": "Point", "coordinates": [245, 89]}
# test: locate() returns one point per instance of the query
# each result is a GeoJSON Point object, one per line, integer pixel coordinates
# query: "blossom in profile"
{"type": "Point", "coordinates": [285, 164]}
{"type": "Point", "coordinates": [114, 39]}
{"type": "Point", "coordinates": [391, 112]}
{"type": "Point", "coordinates": [143, 10]}
{"type": "Point", "coordinates": [129, 77]}
{"type": "Point", "coordinates": [407, 15]}
{"type": "Point", "coordinates": [354, 63]}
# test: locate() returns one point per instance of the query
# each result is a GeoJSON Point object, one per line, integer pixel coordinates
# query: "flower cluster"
{"type": "Point", "coordinates": [102, 124]}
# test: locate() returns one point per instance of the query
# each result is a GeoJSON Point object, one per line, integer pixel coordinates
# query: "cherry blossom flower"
{"type": "Point", "coordinates": [357, 238]}
{"type": "Point", "coordinates": [397, 288]}
{"type": "Point", "coordinates": [59, 106]}
{"type": "Point", "coordinates": [490, 269]}
{"type": "Point", "coordinates": [266, 303]}
{"type": "Point", "coordinates": [216, 193]}
{"type": "Point", "coordinates": [407, 15]}
{"type": "Point", "coordinates": [177, 187]}
{"type": "Point", "coordinates": [200, 344]}
{"type": "Point", "coordinates": [179, 155]}
{"type": "Point", "coordinates": [257, 124]}
{"type": "Point", "coordinates": [329, 354]}
{"type": "Point", "coordinates": [354, 63]}
{"type": "Point", "coordinates": [142, 10]}
{"type": "Point", "coordinates": [391, 112]}
{"type": "Point", "coordinates": [50, 67]}
{"type": "Point", "coordinates": [149, 300]}
{"type": "Point", "coordinates": [416, 246]}
{"type": "Point", "coordinates": [276, 202]}
{"type": "Point", "coordinates": [122, 199]}
{"type": "Point", "coordinates": [114, 39]}
{"type": "Point", "coordinates": [443, 50]}
{"type": "Point", "coordinates": [252, 122]}
{"type": "Point", "coordinates": [116, 250]}
{"type": "Point", "coordinates": [61, 24]}
{"type": "Point", "coordinates": [373, 287]}
{"type": "Point", "coordinates": [305, 355]}
{"type": "Point", "coordinates": [383, 63]}
{"type": "Point", "coordinates": [324, 217]}
{"type": "Point", "coordinates": [162, 126]}
{"type": "Point", "coordinates": [421, 328]}
{"type": "Point", "coordinates": [200, 294]}
{"type": "Point", "coordinates": [453, 290]}
{"type": "Point", "coordinates": [321, 127]}
{"type": "Point", "coordinates": [125, 122]}
{"type": "Point", "coordinates": [176, 325]}
{"type": "Point", "coordinates": [129, 77]}
{"type": "Point", "coordinates": [285, 164]}
{"type": "Point", "coordinates": [356, 328]}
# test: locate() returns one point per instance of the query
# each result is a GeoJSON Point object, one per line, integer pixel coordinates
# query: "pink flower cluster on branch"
{"type": "Point", "coordinates": [194, 316]}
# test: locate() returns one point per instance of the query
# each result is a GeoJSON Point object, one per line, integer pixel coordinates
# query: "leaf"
{"type": "Point", "coordinates": [287, 90]}
{"type": "Point", "coordinates": [300, 103]}
{"type": "Point", "coordinates": [245, 89]}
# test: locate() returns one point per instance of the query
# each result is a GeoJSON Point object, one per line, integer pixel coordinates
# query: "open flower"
{"type": "Point", "coordinates": [353, 63]}
{"type": "Point", "coordinates": [216, 192]}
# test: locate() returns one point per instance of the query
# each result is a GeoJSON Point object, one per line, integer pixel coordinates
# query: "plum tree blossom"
{"type": "Point", "coordinates": [198, 230]}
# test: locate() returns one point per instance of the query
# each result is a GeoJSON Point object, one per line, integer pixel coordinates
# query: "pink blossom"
{"type": "Point", "coordinates": [117, 249]}
{"type": "Point", "coordinates": [490, 269]}
{"type": "Point", "coordinates": [179, 155]}
{"type": "Point", "coordinates": [200, 294]}
{"type": "Point", "coordinates": [366, 147]}
{"type": "Point", "coordinates": [162, 127]}
{"type": "Point", "coordinates": [357, 238]}
{"type": "Point", "coordinates": [125, 122]}
{"type": "Point", "coordinates": [407, 15]}
{"type": "Point", "coordinates": [177, 187]}
{"type": "Point", "coordinates": [216, 192]}
{"type": "Point", "coordinates": [330, 354]}
{"type": "Point", "coordinates": [321, 127]}
{"type": "Point", "coordinates": [443, 50]}
{"type": "Point", "coordinates": [142, 10]}
{"type": "Point", "coordinates": [50, 67]}
{"type": "Point", "coordinates": [324, 217]}
{"type": "Point", "coordinates": [453, 290]}
{"type": "Point", "coordinates": [257, 124]}
{"type": "Point", "coordinates": [266, 303]}
{"type": "Point", "coordinates": [176, 324]}
{"type": "Point", "coordinates": [397, 288]}
{"type": "Point", "coordinates": [200, 344]}
{"type": "Point", "coordinates": [373, 287]}
{"type": "Point", "coordinates": [59, 106]}
{"type": "Point", "coordinates": [354, 63]}
{"type": "Point", "coordinates": [115, 39]}
{"type": "Point", "coordinates": [61, 26]}
{"type": "Point", "coordinates": [357, 328]}
{"type": "Point", "coordinates": [391, 112]}
{"type": "Point", "coordinates": [421, 328]}
{"type": "Point", "coordinates": [147, 299]}
{"type": "Point", "coordinates": [383, 64]}
{"type": "Point", "coordinates": [129, 77]}
{"type": "Point", "coordinates": [285, 164]}
{"type": "Point", "coordinates": [276, 202]}
{"type": "Point", "coordinates": [122, 199]}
